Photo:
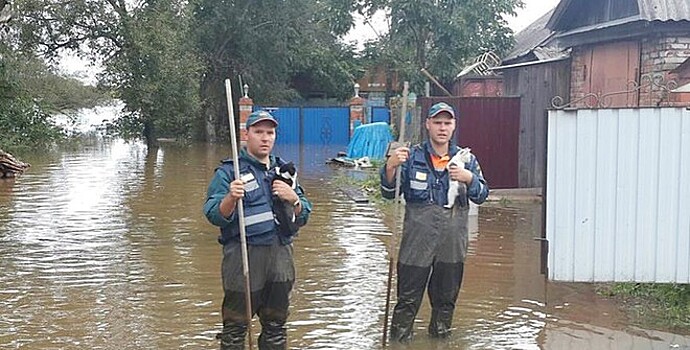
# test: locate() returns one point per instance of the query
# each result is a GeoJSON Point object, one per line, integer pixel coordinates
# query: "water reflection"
{"type": "Point", "coordinates": [106, 248]}
{"type": "Point", "coordinates": [341, 264]}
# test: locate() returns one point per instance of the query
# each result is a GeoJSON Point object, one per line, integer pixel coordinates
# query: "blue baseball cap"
{"type": "Point", "coordinates": [439, 108]}
{"type": "Point", "coordinates": [260, 116]}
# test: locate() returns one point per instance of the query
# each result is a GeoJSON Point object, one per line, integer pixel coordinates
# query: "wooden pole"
{"type": "Point", "coordinates": [240, 215]}
{"type": "Point", "coordinates": [431, 77]}
{"type": "Point", "coordinates": [399, 218]}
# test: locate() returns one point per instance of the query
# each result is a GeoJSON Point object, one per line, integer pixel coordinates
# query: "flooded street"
{"type": "Point", "coordinates": [107, 248]}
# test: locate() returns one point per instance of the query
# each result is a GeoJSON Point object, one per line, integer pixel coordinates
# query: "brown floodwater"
{"type": "Point", "coordinates": [107, 248]}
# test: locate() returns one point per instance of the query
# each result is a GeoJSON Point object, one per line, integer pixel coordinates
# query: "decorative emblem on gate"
{"type": "Point", "coordinates": [326, 130]}
{"type": "Point", "coordinates": [653, 81]}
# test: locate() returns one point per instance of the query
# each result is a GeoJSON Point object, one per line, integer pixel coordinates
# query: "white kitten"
{"type": "Point", "coordinates": [459, 159]}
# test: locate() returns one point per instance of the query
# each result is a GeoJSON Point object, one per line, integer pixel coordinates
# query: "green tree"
{"type": "Point", "coordinates": [24, 124]}
{"type": "Point", "coordinates": [283, 50]}
{"type": "Point", "coordinates": [161, 56]}
{"type": "Point", "coordinates": [439, 35]}
{"type": "Point", "coordinates": [148, 59]}
{"type": "Point", "coordinates": [156, 73]}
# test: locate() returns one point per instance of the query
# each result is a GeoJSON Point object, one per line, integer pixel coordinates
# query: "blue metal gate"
{"type": "Point", "coordinates": [380, 114]}
{"type": "Point", "coordinates": [311, 125]}
{"type": "Point", "coordinates": [326, 126]}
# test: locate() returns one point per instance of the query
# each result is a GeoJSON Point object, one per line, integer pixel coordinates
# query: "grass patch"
{"type": "Point", "coordinates": [369, 183]}
{"type": "Point", "coordinates": [505, 202]}
{"type": "Point", "coordinates": [667, 305]}
{"type": "Point", "coordinates": [367, 180]}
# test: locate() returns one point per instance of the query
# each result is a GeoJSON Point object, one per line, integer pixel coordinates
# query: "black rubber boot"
{"type": "Point", "coordinates": [402, 323]}
{"type": "Point", "coordinates": [444, 287]}
{"type": "Point", "coordinates": [439, 326]}
{"type": "Point", "coordinates": [232, 337]}
{"type": "Point", "coordinates": [273, 336]}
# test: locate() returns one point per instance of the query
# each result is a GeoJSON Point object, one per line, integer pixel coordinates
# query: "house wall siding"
{"type": "Point", "coordinates": [537, 85]}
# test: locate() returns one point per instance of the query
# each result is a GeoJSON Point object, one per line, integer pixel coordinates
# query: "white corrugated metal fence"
{"type": "Point", "coordinates": [618, 195]}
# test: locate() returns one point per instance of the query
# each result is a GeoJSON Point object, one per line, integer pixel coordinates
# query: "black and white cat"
{"type": "Point", "coordinates": [459, 159]}
{"type": "Point", "coordinates": [284, 212]}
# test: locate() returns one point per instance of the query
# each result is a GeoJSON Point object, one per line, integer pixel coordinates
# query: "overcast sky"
{"type": "Point", "coordinates": [531, 12]}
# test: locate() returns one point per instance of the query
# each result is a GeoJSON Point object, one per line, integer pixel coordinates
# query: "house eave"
{"type": "Point", "coordinates": [531, 63]}
{"type": "Point", "coordinates": [621, 31]}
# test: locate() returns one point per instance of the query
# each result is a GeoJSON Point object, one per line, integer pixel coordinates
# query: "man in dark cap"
{"type": "Point", "coordinates": [435, 233]}
{"type": "Point", "coordinates": [269, 242]}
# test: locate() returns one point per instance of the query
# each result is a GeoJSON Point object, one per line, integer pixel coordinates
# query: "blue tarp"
{"type": "Point", "coordinates": [370, 140]}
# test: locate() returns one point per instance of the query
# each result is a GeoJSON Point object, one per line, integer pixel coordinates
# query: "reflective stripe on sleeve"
{"type": "Point", "coordinates": [388, 189]}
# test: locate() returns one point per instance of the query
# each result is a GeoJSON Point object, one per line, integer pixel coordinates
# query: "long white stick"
{"type": "Point", "coordinates": [398, 213]}
{"type": "Point", "coordinates": [240, 215]}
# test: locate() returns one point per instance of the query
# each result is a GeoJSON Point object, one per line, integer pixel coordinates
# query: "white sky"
{"type": "Point", "coordinates": [531, 12]}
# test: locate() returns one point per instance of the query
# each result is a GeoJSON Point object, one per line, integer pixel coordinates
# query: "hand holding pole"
{"type": "Point", "coordinates": [240, 215]}
{"type": "Point", "coordinates": [398, 212]}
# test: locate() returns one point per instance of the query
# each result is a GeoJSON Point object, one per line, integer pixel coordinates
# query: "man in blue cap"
{"type": "Point", "coordinates": [434, 242]}
{"type": "Point", "coordinates": [269, 243]}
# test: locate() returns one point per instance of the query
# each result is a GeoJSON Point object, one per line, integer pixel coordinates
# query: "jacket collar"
{"type": "Point", "coordinates": [452, 149]}
{"type": "Point", "coordinates": [255, 162]}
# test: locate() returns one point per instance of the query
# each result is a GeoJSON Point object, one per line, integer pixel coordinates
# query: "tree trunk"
{"type": "Point", "coordinates": [214, 109]}
{"type": "Point", "coordinates": [150, 135]}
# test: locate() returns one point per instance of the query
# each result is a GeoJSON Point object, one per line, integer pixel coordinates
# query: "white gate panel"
{"type": "Point", "coordinates": [618, 195]}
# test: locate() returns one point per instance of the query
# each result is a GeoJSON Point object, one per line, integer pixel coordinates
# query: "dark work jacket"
{"type": "Point", "coordinates": [260, 224]}
{"type": "Point", "coordinates": [421, 183]}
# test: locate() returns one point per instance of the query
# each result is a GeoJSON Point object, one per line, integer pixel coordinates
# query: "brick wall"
{"type": "Point", "coordinates": [578, 74]}
{"type": "Point", "coordinates": [659, 56]}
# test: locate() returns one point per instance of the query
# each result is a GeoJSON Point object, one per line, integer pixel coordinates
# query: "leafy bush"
{"type": "Point", "coordinates": [24, 124]}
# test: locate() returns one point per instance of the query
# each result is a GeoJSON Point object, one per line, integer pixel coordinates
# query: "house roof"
{"type": "Point", "coordinates": [649, 10]}
{"type": "Point", "coordinates": [664, 10]}
{"type": "Point", "coordinates": [536, 35]}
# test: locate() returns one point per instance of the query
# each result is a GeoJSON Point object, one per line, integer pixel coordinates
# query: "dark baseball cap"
{"type": "Point", "coordinates": [260, 116]}
{"type": "Point", "coordinates": [439, 108]}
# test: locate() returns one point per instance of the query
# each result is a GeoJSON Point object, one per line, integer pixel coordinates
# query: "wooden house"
{"type": "Point", "coordinates": [594, 54]}
{"type": "Point", "coordinates": [622, 50]}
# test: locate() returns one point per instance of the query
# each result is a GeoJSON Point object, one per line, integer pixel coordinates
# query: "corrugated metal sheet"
{"type": "Point", "coordinates": [617, 195]}
{"type": "Point", "coordinates": [530, 38]}
{"type": "Point", "coordinates": [664, 10]}
{"type": "Point", "coordinates": [649, 10]}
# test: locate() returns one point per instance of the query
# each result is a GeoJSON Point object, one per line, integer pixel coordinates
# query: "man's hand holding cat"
{"type": "Point", "coordinates": [460, 174]}
{"type": "Point", "coordinates": [284, 191]}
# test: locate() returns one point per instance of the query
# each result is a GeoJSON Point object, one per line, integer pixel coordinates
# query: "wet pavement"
{"type": "Point", "coordinates": [107, 248]}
